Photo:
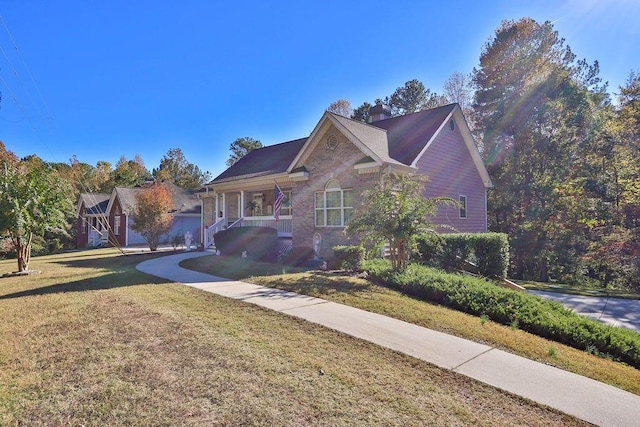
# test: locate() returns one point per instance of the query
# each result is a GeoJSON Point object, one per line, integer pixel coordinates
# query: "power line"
{"type": "Point", "coordinates": [21, 108]}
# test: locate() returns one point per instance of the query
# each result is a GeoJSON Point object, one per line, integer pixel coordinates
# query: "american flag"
{"type": "Point", "coordinates": [278, 202]}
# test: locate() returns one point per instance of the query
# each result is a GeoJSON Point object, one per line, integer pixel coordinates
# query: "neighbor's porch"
{"type": "Point", "coordinates": [246, 208]}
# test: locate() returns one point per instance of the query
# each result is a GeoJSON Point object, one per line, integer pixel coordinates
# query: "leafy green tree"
{"type": "Point", "coordinates": [240, 147]}
{"type": "Point", "coordinates": [102, 177]}
{"type": "Point", "coordinates": [88, 178]}
{"type": "Point", "coordinates": [534, 104]}
{"type": "Point", "coordinates": [151, 217]}
{"type": "Point", "coordinates": [129, 173]}
{"type": "Point", "coordinates": [395, 211]}
{"type": "Point", "coordinates": [628, 126]}
{"type": "Point", "coordinates": [413, 97]}
{"type": "Point", "coordinates": [361, 113]}
{"type": "Point", "coordinates": [34, 200]}
{"type": "Point", "coordinates": [175, 168]}
{"type": "Point", "coordinates": [609, 166]}
{"type": "Point", "coordinates": [410, 98]}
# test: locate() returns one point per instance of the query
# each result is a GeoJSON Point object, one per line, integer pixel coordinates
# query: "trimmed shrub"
{"type": "Point", "coordinates": [348, 257]}
{"type": "Point", "coordinates": [429, 248]}
{"type": "Point", "coordinates": [545, 318]}
{"type": "Point", "coordinates": [488, 251]}
{"type": "Point", "coordinates": [299, 257]}
{"type": "Point", "coordinates": [260, 243]}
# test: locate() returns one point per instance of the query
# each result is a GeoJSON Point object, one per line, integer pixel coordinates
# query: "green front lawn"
{"type": "Point", "coordinates": [364, 294]}
{"type": "Point", "coordinates": [93, 341]}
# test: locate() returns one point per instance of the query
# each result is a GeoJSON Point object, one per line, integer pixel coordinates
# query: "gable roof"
{"type": "Point", "coordinates": [94, 203]}
{"type": "Point", "coordinates": [126, 197]}
{"type": "Point", "coordinates": [375, 138]}
{"type": "Point", "coordinates": [262, 161]}
{"type": "Point", "coordinates": [184, 201]}
{"type": "Point", "coordinates": [397, 141]}
{"type": "Point", "coordinates": [408, 135]}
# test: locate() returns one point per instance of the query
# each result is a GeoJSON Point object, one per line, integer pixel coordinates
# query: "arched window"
{"type": "Point", "coordinates": [333, 206]}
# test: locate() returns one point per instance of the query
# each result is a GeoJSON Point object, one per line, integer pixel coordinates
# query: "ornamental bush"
{"type": "Point", "coordinates": [488, 251]}
{"type": "Point", "coordinates": [260, 243]}
{"type": "Point", "coordinates": [545, 318]}
{"type": "Point", "coordinates": [348, 257]}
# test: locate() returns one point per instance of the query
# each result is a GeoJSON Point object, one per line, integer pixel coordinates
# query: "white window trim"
{"type": "Point", "coordinates": [324, 209]}
{"type": "Point", "coordinates": [464, 206]}
{"type": "Point", "coordinates": [117, 222]}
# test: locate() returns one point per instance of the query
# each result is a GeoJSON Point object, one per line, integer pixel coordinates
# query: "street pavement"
{"type": "Point", "coordinates": [573, 394]}
{"type": "Point", "coordinates": [612, 311]}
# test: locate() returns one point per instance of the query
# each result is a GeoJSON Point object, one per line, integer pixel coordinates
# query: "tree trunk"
{"type": "Point", "coordinates": [23, 249]}
{"type": "Point", "coordinates": [544, 271]}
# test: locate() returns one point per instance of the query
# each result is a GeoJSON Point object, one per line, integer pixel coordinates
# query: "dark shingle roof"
{"type": "Point", "coordinates": [263, 161]}
{"type": "Point", "coordinates": [407, 135]}
{"type": "Point", "coordinates": [373, 137]}
{"type": "Point", "coordinates": [95, 203]}
{"type": "Point", "coordinates": [184, 201]}
{"type": "Point", "coordinates": [127, 198]}
{"type": "Point", "coordinates": [397, 140]}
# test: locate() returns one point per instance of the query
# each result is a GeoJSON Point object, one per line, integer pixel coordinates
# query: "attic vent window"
{"type": "Point", "coordinates": [332, 142]}
{"type": "Point", "coordinates": [452, 125]}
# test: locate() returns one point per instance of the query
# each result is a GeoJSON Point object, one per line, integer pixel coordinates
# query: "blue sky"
{"type": "Point", "coordinates": [102, 79]}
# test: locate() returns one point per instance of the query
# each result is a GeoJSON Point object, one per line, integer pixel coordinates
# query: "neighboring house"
{"type": "Point", "coordinates": [91, 224]}
{"type": "Point", "coordinates": [324, 175]}
{"type": "Point", "coordinates": [106, 219]}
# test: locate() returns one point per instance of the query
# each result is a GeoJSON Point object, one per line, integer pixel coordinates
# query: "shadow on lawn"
{"type": "Point", "coordinates": [323, 283]}
{"type": "Point", "coordinates": [119, 271]}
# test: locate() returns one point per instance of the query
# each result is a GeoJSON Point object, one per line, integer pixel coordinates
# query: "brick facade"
{"type": "Point", "coordinates": [324, 164]}
{"type": "Point", "coordinates": [435, 142]}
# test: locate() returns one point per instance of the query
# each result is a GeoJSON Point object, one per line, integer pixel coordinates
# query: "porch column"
{"type": "Point", "coordinates": [217, 209]}
{"type": "Point", "coordinates": [240, 207]}
{"type": "Point", "coordinates": [224, 205]}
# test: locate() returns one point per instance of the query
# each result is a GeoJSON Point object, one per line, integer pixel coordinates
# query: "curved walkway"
{"type": "Point", "coordinates": [582, 397]}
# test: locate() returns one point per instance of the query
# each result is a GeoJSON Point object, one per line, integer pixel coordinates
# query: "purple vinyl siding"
{"type": "Point", "coordinates": [452, 173]}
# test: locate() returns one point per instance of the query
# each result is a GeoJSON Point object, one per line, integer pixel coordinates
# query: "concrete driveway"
{"type": "Point", "coordinates": [612, 311]}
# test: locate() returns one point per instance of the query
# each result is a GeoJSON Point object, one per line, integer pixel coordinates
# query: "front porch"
{"type": "Point", "coordinates": [247, 208]}
{"type": "Point", "coordinates": [284, 226]}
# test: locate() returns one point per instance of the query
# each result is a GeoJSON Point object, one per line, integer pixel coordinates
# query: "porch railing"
{"type": "Point", "coordinates": [284, 225]}
{"type": "Point", "coordinates": [211, 230]}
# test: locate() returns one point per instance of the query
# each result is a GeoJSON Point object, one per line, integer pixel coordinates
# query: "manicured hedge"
{"type": "Point", "coordinates": [348, 257]}
{"type": "Point", "coordinates": [488, 251]}
{"type": "Point", "coordinates": [259, 242]}
{"type": "Point", "coordinates": [531, 313]}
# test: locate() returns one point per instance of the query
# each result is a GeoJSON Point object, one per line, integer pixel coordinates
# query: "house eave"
{"type": "Point", "coordinates": [369, 167]}
{"type": "Point", "coordinates": [299, 176]}
{"type": "Point", "coordinates": [257, 183]}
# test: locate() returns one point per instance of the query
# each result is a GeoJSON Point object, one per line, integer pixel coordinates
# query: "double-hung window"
{"type": "Point", "coordinates": [333, 206]}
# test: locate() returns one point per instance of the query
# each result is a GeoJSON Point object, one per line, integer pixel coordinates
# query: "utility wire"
{"type": "Point", "coordinates": [21, 108]}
